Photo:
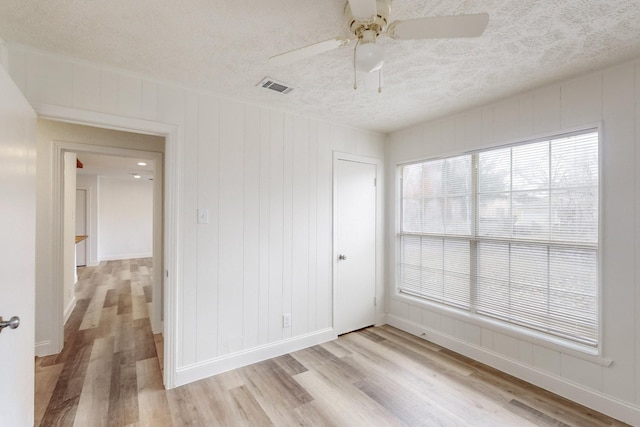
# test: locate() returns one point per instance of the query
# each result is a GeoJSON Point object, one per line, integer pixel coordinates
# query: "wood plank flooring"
{"type": "Point", "coordinates": [109, 374]}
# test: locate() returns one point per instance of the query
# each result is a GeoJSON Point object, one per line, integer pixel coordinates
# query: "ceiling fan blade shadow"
{"type": "Point", "coordinates": [440, 27]}
{"type": "Point", "coordinates": [292, 56]}
{"type": "Point", "coordinates": [363, 10]}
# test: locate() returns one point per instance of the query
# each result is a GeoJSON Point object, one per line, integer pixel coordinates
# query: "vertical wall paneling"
{"type": "Point", "coordinates": [506, 121]}
{"type": "Point", "coordinates": [129, 96]}
{"type": "Point", "coordinates": [86, 87]}
{"type": "Point", "coordinates": [149, 100]}
{"type": "Point", "coordinates": [312, 296]}
{"type": "Point", "coordinates": [300, 227]}
{"type": "Point", "coordinates": [526, 116]}
{"type": "Point", "coordinates": [618, 245]}
{"type": "Point", "coordinates": [207, 239]}
{"type": "Point", "coordinates": [276, 226]}
{"type": "Point", "coordinates": [324, 290]}
{"type": "Point", "coordinates": [49, 80]}
{"type": "Point", "coordinates": [546, 359]}
{"type": "Point", "coordinates": [581, 101]}
{"type": "Point", "coordinates": [265, 197]}
{"type": "Point", "coordinates": [108, 91]}
{"type": "Point", "coordinates": [231, 242]}
{"type": "Point", "coordinates": [473, 129]}
{"type": "Point", "coordinates": [190, 324]}
{"type": "Point", "coordinates": [251, 192]}
{"type": "Point", "coordinates": [546, 110]}
{"type": "Point", "coordinates": [287, 220]}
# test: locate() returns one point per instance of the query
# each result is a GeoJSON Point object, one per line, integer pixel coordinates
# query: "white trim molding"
{"type": "Point", "coordinates": [168, 265]}
{"type": "Point", "coordinates": [232, 361]}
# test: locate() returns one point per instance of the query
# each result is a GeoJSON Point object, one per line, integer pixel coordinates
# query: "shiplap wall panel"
{"type": "Point", "coordinates": [581, 101]}
{"type": "Point", "coordinates": [189, 115]}
{"type": "Point", "coordinates": [231, 244]}
{"type": "Point", "coordinates": [618, 113]}
{"type": "Point", "coordinates": [300, 228]}
{"type": "Point", "coordinates": [49, 79]}
{"type": "Point", "coordinates": [546, 110]}
{"type": "Point", "coordinates": [129, 96]}
{"type": "Point", "coordinates": [149, 100]}
{"type": "Point", "coordinates": [86, 87]}
{"type": "Point", "coordinates": [276, 225]}
{"type": "Point", "coordinates": [312, 297]}
{"type": "Point", "coordinates": [207, 239]}
{"type": "Point", "coordinates": [610, 97]}
{"type": "Point", "coordinates": [324, 243]}
{"type": "Point", "coordinates": [108, 91]}
{"type": "Point", "coordinates": [287, 221]}
{"type": "Point", "coordinates": [265, 230]}
{"type": "Point", "coordinates": [251, 231]}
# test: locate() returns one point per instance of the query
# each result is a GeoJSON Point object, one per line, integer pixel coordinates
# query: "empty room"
{"type": "Point", "coordinates": [362, 212]}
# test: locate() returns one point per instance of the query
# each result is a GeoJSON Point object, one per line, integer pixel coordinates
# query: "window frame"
{"type": "Point", "coordinates": [568, 346]}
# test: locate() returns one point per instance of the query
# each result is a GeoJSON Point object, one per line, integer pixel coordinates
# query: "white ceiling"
{"type": "Point", "coordinates": [115, 166]}
{"type": "Point", "coordinates": [223, 46]}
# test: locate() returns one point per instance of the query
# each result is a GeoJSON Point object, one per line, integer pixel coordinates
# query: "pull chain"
{"type": "Point", "coordinates": [355, 74]}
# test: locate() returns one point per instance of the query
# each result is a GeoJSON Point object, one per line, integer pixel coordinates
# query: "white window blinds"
{"type": "Point", "coordinates": [509, 233]}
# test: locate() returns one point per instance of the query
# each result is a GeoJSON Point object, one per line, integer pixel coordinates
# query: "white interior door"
{"type": "Point", "coordinates": [17, 253]}
{"type": "Point", "coordinates": [81, 227]}
{"type": "Point", "coordinates": [355, 245]}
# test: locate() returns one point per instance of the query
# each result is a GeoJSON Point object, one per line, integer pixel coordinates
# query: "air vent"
{"type": "Point", "coordinates": [269, 83]}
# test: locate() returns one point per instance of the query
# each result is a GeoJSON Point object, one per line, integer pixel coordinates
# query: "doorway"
{"type": "Point", "coordinates": [356, 242]}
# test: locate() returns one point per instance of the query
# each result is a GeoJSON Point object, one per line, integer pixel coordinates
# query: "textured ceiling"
{"type": "Point", "coordinates": [222, 46]}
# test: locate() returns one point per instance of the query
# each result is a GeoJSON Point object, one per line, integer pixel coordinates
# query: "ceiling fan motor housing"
{"type": "Point", "coordinates": [367, 30]}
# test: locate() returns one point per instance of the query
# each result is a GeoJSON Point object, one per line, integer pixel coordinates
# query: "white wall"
{"type": "Point", "coordinates": [610, 97]}
{"type": "Point", "coordinates": [255, 170]}
{"type": "Point", "coordinates": [125, 218]}
{"type": "Point", "coordinates": [69, 234]}
{"type": "Point", "coordinates": [90, 183]}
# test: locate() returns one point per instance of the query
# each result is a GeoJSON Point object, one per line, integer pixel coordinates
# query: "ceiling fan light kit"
{"type": "Point", "coordinates": [368, 19]}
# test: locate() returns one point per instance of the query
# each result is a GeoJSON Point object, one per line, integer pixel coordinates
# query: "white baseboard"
{"type": "Point", "coordinates": [125, 256]}
{"type": "Point", "coordinates": [44, 348]}
{"type": "Point", "coordinates": [226, 363]}
{"type": "Point", "coordinates": [69, 309]}
{"type": "Point", "coordinates": [606, 404]}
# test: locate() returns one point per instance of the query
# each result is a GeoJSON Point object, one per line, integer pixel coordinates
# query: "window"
{"type": "Point", "coordinates": [508, 233]}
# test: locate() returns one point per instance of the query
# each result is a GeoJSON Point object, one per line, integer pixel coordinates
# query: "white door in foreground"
{"type": "Point", "coordinates": [17, 253]}
{"type": "Point", "coordinates": [355, 246]}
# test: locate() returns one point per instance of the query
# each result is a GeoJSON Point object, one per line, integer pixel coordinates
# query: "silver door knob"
{"type": "Point", "coordinates": [342, 257]}
{"type": "Point", "coordinates": [13, 323]}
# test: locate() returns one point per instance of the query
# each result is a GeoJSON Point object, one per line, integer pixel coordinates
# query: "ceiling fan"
{"type": "Point", "coordinates": [368, 19]}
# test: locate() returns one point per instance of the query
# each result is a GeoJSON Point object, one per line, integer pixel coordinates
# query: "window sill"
{"type": "Point", "coordinates": [560, 345]}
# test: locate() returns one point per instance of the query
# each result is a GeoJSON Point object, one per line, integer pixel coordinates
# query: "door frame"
{"type": "Point", "coordinates": [380, 308]}
{"type": "Point", "coordinates": [169, 252]}
{"type": "Point", "coordinates": [87, 225]}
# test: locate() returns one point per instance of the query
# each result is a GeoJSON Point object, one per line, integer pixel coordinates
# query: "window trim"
{"type": "Point", "coordinates": [563, 345]}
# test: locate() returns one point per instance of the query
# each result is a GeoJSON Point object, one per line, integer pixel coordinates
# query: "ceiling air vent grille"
{"type": "Point", "coordinates": [272, 84]}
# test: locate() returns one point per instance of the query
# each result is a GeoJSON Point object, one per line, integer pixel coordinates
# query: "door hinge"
{"type": "Point", "coordinates": [375, 301]}
{"type": "Point", "coordinates": [375, 182]}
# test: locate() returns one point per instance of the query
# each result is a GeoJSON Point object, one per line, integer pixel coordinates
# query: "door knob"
{"type": "Point", "coordinates": [342, 257]}
{"type": "Point", "coordinates": [13, 323]}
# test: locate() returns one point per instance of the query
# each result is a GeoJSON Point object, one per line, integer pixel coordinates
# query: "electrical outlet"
{"type": "Point", "coordinates": [286, 320]}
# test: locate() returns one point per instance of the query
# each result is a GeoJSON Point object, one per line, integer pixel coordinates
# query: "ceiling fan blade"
{"type": "Point", "coordinates": [363, 10]}
{"type": "Point", "coordinates": [292, 56]}
{"type": "Point", "coordinates": [440, 27]}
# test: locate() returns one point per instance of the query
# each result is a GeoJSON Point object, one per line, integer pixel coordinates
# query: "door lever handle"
{"type": "Point", "coordinates": [342, 257]}
{"type": "Point", "coordinates": [13, 323]}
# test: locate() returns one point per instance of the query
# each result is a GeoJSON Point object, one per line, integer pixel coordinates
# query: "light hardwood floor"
{"type": "Point", "coordinates": [109, 375]}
